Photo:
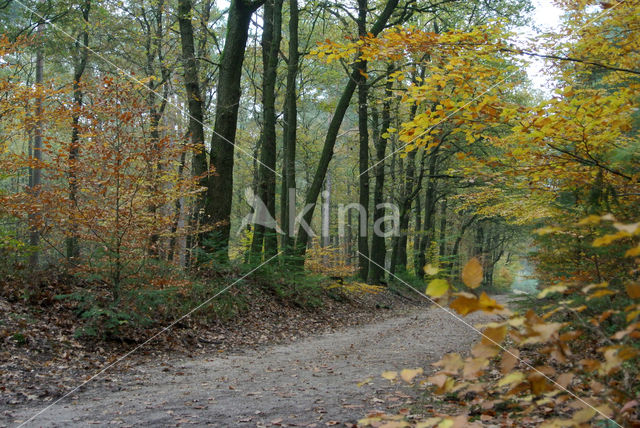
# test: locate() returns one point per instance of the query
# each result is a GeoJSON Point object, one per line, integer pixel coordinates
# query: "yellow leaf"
{"type": "Point", "coordinates": [608, 239]}
{"type": "Point", "coordinates": [546, 230]}
{"type": "Point", "coordinates": [592, 219]}
{"type": "Point", "coordinates": [390, 375]}
{"type": "Point", "coordinates": [632, 315]}
{"type": "Point", "coordinates": [511, 378]}
{"type": "Point", "coordinates": [364, 382]}
{"type": "Point", "coordinates": [450, 363]}
{"type": "Point", "coordinates": [437, 288]}
{"type": "Point", "coordinates": [552, 289]}
{"type": "Point", "coordinates": [633, 252]}
{"type": "Point", "coordinates": [428, 423]}
{"type": "Point", "coordinates": [487, 304]}
{"type": "Point", "coordinates": [407, 375]}
{"type": "Point", "coordinates": [446, 423]}
{"type": "Point", "coordinates": [583, 416]}
{"type": "Point", "coordinates": [592, 286]}
{"type": "Point", "coordinates": [472, 273]}
{"type": "Point", "coordinates": [600, 293]}
{"type": "Point", "coordinates": [431, 270]}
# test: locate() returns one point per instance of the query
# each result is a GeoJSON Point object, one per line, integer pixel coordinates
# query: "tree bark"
{"type": "Point", "coordinates": [217, 210]}
{"type": "Point", "coordinates": [417, 236]}
{"type": "Point", "coordinates": [363, 156]}
{"type": "Point", "coordinates": [378, 245]}
{"type": "Point", "coordinates": [325, 240]}
{"type": "Point", "coordinates": [195, 108]}
{"type": "Point", "coordinates": [271, 36]}
{"type": "Point", "coordinates": [290, 131]}
{"type": "Point", "coordinates": [428, 228]}
{"type": "Point", "coordinates": [443, 229]}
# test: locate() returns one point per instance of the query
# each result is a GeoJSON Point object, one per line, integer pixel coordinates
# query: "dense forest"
{"type": "Point", "coordinates": [154, 153]}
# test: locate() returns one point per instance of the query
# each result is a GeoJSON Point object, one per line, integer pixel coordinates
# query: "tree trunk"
{"type": "Point", "coordinates": [332, 134]}
{"type": "Point", "coordinates": [195, 108]}
{"type": "Point", "coordinates": [326, 213]}
{"type": "Point", "coordinates": [428, 228]}
{"type": "Point", "coordinates": [217, 210]}
{"type": "Point", "coordinates": [417, 236]}
{"type": "Point", "coordinates": [363, 130]}
{"type": "Point", "coordinates": [378, 245]}
{"type": "Point", "coordinates": [80, 64]}
{"type": "Point", "coordinates": [271, 37]}
{"type": "Point", "coordinates": [409, 192]}
{"type": "Point", "coordinates": [290, 132]}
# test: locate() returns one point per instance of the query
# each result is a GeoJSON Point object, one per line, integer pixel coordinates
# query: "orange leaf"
{"type": "Point", "coordinates": [633, 290]}
{"type": "Point", "coordinates": [494, 335]}
{"type": "Point", "coordinates": [472, 273]}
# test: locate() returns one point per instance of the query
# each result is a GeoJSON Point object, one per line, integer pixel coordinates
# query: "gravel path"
{"type": "Point", "coordinates": [310, 382]}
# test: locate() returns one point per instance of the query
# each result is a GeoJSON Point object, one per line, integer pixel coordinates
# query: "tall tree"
{"type": "Point", "coordinates": [378, 247]}
{"type": "Point", "coordinates": [428, 223]}
{"type": "Point", "coordinates": [217, 210]}
{"type": "Point", "coordinates": [363, 156]}
{"type": "Point", "coordinates": [290, 130]}
{"type": "Point", "coordinates": [195, 105]}
{"type": "Point", "coordinates": [271, 37]}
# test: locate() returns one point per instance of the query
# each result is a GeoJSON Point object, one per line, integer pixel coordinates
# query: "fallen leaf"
{"type": "Point", "coordinates": [408, 374]}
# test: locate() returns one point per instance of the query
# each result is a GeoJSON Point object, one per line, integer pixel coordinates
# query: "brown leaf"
{"type": "Point", "coordinates": [509, 360]}
{"type": "Point", "coordinates": [565, 379]}
{"type": "Point", "coordinates": [474, 367]}
{"type": "Point", "coordinates": [494, 335]}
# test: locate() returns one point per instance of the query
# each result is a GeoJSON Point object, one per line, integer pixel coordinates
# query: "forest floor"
{"type": "Point", "coordinates": [328, 378]}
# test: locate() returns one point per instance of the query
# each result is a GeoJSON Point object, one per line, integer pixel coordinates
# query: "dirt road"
{"type": "Point", "coordinates": [310, 382]}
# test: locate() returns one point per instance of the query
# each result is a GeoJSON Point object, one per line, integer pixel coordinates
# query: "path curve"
{"type": "Point", "coordinates": [310, 382]}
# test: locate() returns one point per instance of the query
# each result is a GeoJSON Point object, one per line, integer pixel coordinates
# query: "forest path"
{"type": "Point", "coordinates": [310, 382]}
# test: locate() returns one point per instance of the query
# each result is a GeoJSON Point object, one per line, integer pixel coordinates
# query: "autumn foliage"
{"type": "Point", "coordinates": [127, 178]}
